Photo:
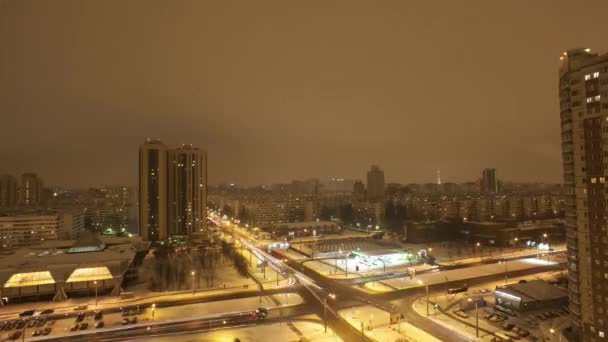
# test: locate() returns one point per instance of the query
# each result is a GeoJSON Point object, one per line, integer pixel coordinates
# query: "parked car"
{"type": "Point", "coordinates": [74, 327]}
{"type": "Point", "coordinates": [84, 326]}
{"type": "Point", "coordinates": [133, 320]}
{"type": "Point", "coordinates": [31, 323]}
{"type": "Point", "coordinates": [47, 311]}
{"type": "Point", "coordinates": [15, 335]}
{"type": "Point", "coordinates": [99, 324]}
{"type": "Point", "coordinates": [37, 332]}
{"type": "Point", "coordinates": [261, 312]}
{"type": "Point", "coordinates": [20, 324]}
{"type": "Point", "coordinates": [81, 307]}
{"type": "Point", "coordinates": [80, 317]}
{"type": "Point", "coordinates": [27, 313]}
{"type": "Point", "coordinates": [508, 326]}
{"type": "Point", "coordinates": [98, 315]}
{"type": "Point", "coordinates": [47, 330]}
{"type": "Point", "coordinates": [125, 321]}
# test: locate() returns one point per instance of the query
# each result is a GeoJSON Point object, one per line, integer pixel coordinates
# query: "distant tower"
{"type": "Point", "coordinates": [375, 184]}
{"type": "Point", "coordinates": [438, 177]}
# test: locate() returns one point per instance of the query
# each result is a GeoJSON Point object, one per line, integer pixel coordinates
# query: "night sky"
{"type": "Point", "coordinates": [288, 89]}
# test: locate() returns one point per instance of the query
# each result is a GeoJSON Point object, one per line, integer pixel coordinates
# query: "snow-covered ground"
{"type": "Point", "coordinates": [182, 312]}
{"type": "Point", "coordinates": [458, 274]}
{"type": "Point", "coordinates": [375, 323]}
{"type": "Point", "coordinates": [451, 302]}
{"type": "Point", "coordinates": [308, 327]}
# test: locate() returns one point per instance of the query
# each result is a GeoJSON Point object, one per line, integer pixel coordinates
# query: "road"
{"type": "Point", "coordinates": [180, 326]}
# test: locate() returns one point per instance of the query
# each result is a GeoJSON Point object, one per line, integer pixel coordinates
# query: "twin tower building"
{"type": "Point", "coordinates": [172, 192]}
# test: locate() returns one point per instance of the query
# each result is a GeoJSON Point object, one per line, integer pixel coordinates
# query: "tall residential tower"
{"type": "Point", "coordinates": [187, 190]}
{"type": "Point", "coordinates": [375, 184]}
{"type": "Point", "coordinates": [583, 88]}
{"type": "Point", "coordinates": [153, 191]}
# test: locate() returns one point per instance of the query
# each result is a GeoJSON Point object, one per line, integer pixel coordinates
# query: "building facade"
{"type": "Point", "coordinates": [153, 191]}
{"type": "Point", "coordinates": [583, 88]}
{"type": "Point", "coordinates": [30, 190]}
{"type": "Point", "coordinates": [172, 191]}
{"type": "Point", "coordinates": [375, 184]}
{"type": "Point", "coordinates": [489, 183]}
{"type": "Point", "coordinates": [8, 191]}
{"type": "Point", "coordinates": [187, 190]}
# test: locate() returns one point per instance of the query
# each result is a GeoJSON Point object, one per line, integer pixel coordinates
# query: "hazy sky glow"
{"type": "Point", "coordinates": [288, 89]}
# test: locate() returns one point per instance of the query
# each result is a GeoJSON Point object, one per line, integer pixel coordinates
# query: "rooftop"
{"type": "Point", "coordinates": [535, 290]}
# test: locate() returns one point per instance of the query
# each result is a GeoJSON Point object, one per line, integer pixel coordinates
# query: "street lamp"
{"type": "Point", "coordinates": [153, 308]}
{"type": "Point", "coordinates": [332, 296]}
{"type": "Point", "coordinates": [476, 317]}
{"type": "Point", "coordinates": [193, 288]}
{"type": "Point", "coordinates": [427, 295]}
{"type": "Point", "coordinates": [95, 282]}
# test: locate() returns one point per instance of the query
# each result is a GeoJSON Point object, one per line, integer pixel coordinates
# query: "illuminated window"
{"type": "Point", "coordinates": [596, 74]}
{"type": "Point", "coordinates": [89, 274]}
{"type": "Point", "coordinates": [30, 279]}
{"type": "Point", "coordinates": [589, 99]}
{"type": "Point", "coordinates": [587, 77]}
{"type": "Point", "coordinates": [597, 97]}
{"type": "Point", "coordinates": [593, 180]}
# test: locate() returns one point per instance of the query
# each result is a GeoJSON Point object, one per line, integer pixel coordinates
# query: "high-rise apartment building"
{"type": "Point", "coordinates": [375, 184]}
{"type": "Point", "coordinates": [186, 190]}
{"type": "Point", "coordinates": [359, 191]}
{"type": "Point", "coordinates": [30, 190]}
{"type": "Point", "coordinates": [8, 191]}
{"type": "Point", "coordinates": [153, 191]}
{"type": "Point", "coordinates": [583, 95]}
{"type": "Point", "coordinates": [172, 191]}
{"type": "Point", "coordinates": [489, 183]}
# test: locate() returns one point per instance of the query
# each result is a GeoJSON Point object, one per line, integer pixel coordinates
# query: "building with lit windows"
{"type": "Point", "coordinates": [19, 229]}
{"type": "Point", "coordinates": [583, 96]}
{"type": "Point", "coordinates": [153, 191]}
{"type": "Point", "coordinates": [172, 191]}
{"type": "Point", "coordinates": [30, 190]}
{"type": "Point", "coordinates": [186, 190]}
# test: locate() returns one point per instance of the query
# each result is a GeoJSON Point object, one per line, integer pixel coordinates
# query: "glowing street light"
{"type": "Point", "coordinates": [153, 308]}
{"type": "Point", "coordinates": [193, 273]}
{"type": "Point", "coordinates": [476, 317]}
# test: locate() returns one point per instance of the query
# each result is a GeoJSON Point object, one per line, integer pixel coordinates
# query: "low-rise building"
{"type": "Point", "coordinates": [530, 295]}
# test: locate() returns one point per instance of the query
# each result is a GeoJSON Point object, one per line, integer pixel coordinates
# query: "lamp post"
{"type": "Point", "coordinates": [95, 282]}
{"type": "Point", "coordinates": [332, 296]}
{"type": "Point", "coordinates": [346, 254]}
{"type": "Point", "coordinates": [193, 273]}
{"type": "Point", "coordinates": [515, 243]}
{"type": "Point", "coordinates": [476, 317]}
{"type": "Point", "coordinates": [427, 295]}
{"type": "Point", "coordinates": [153, 308]}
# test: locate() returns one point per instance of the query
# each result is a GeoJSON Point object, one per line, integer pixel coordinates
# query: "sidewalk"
{"type": "Point", "coordinates": [376, 325]}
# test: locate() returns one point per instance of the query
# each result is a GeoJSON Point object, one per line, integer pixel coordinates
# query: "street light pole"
{"type": "Point", "coordinates": [193, 288]}
{"type": "Point", "coordinates": [325, 312]}
{"type": "Point", "coordinates": [153, 308]}
{"type": "Point", "coordinates": [95, 282]}
{"type": "Point", "coordinates": [427, 295]}
{"type": "Point", "coordinates": [476, 318]}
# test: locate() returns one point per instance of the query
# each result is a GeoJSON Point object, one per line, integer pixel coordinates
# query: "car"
{"type": "Point", "coordinates": [20, 324]}
{"type": "Point", "coordinates": [513, 335]}
{"type": "Point", "coordinates": [523, 332]}
{"type": "Point", "coordinates": [84, 326]}
{"type": "Point", "coordinates": [15, 335]}
{"type": "Point", "coordinates": [75, 327]}
{"type": "Point", "coordinates": [47, 330]}
{"type": "Point", "coordinates": [9, 325]}
{"type": "Point", "coordinates": [36, 332]}
{"type": "Point", "coordinates": [139, 310]}
{"type": "Point", "coordinates": [508, 326]}
{"type": "Point", "coordinates": [484, 291]}
{"type": "Point", "coordinates": [133, 320]}
{"type": "Point", "coordinates": [261, 312]}
{"type": "Point", "coordinates": [99, 324]}
{"type": "Point", "coordinates": [27, 313]}
{"type": "Point", "coordinates": [125, 321]}
{"type": "Point", "coordinates": [80, 317]}
{"type": "Point", "coordinates": [40, 322]}
{"type": "Point", "coordinates": [47, 311]}
{"type": "Point", "coordinates": [52, 322]}
{"type": "Point", "coordinates": [81, 307]}
{"type": "Point", "coordinates": [98, 315]}
{"type": "Point", "coordinates": [31, 323]}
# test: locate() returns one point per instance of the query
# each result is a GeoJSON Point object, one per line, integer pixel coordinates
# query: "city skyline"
{"type": "Point", "coordinates": [228, 84]}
